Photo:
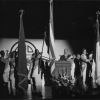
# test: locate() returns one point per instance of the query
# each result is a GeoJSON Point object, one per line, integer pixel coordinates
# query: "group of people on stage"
{"type": "Point", "coordinates": [83, 67]}
{"type": "Point", "coordinates": [38, 68]}
{"type": "Point", "coordinates": [8, 72]}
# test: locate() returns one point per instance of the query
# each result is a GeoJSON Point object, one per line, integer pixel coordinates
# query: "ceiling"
{"type": "Point", "coordinates": [73, 19]}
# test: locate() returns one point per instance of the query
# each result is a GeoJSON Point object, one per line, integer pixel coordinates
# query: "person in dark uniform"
{"type": "Point", "coordinates": [35, 61]}
{"type": "Point", "coordinates": [77, 61]}
{"type": "Point", "coordinates": [89, 71]}
{"type": "Point", "coordinates": [2, 66]}
{"type": "Point", "coordinates": [77, 74]}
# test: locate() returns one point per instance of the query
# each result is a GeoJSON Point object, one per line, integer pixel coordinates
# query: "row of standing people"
{"type": "Point", "coordinates": [8, 71]}
{"type": "Point", "coordinates": [36, 67]}
{"type": "Point", "coordinates": [82, 69]}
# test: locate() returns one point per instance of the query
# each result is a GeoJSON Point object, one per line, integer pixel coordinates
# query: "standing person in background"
{"type": "Point", "coordinates": [3, 85]}
{"type": "Point", "coordinates": [77, 61]}
{"type": "Point", "coordinates": [16, 73]}
{"type": "Point", "coordinates": [89, 71]}
{"type": "Point", "coordinates": [36, 72]}
{"type": "Point", "coordinates": [31, 77]}
{"type": "Point", "coordinates": [6, 70]}
{"type": "Point", "coordinates": [84, 62]}
{"type": "Point", "coordinates": [12, 88]}
{"type": "Point", "coordinates": [71, 59]}
{"type": "Point", "coordinates": [93, 72]}
{"type": "Point", "coordinates": [2, 65]}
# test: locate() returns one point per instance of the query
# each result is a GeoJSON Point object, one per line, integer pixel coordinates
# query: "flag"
{"type": "Point", "coordinates": [97, 53]}
{"type": "Point", "coordinates": [49, 38]}
{"type": "Point", "coordinates": [22, 63]}
{"type": "Point", "coordinates": [52, 53]}
{"type": "Point", "coordinates": [51, 30]}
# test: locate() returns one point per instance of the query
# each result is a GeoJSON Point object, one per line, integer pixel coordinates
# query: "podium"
{"type": "Point", "coordinates": [61, 68]}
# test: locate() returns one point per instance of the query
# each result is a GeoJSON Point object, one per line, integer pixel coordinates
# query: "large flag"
{"type": "Point", "coordinates": [51, 28]}
{"type": "Point", "coordinates": [22, 63]}
{"type": "Point", "coordinates": [51, 37]}
{"type": "Point", "coordinates": [98, 52]}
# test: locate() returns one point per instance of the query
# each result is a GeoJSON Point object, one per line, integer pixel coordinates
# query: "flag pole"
{"type": "Point", "coordinates": [51, 14]}
{"type": "Point", "coordinates": [43, 81]}
{"type": "Point", "coordinates": [98, 13]}
{"type": "Point", "coordinates": [43, 43]}
{"type": "Point", "coordinates": [21, 11]}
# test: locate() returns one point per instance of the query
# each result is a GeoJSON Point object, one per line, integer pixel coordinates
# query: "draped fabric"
{"type": "Point", "coordinates": [98, 53]}
{"type": "Point", "coordinates": [22, 62]}
{"type": "Point", "coordinates": [49, 38]}
{"type": "Point", "coordinates": [52, 52]}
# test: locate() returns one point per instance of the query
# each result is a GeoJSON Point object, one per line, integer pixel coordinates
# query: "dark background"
{"type": "Point", "coordinates": [74, 20]}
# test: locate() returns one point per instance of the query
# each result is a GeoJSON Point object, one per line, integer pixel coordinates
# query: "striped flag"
{"type": "Point", "coordinates": [22, 63]}
{"type": "Point", "coordinates": [98, 52]}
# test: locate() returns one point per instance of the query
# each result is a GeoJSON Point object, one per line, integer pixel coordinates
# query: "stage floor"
{"type": "Point", "coordinates": [63, 93]}
{"type": "Point", "coordinates": [60, 93]}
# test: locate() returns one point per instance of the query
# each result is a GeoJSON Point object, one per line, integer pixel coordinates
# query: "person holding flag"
{"type": "Point", "coordinates": [49, 41]}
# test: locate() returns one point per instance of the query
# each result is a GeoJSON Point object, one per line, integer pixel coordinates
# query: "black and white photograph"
{"type": "Point", "coordinates": [49, 49]}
